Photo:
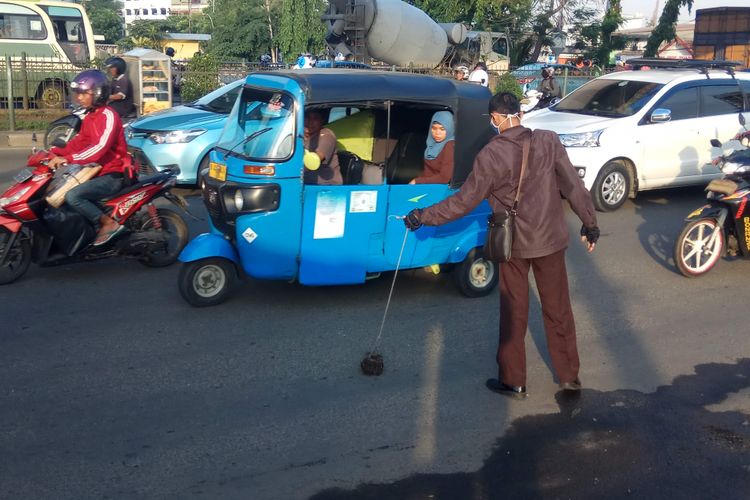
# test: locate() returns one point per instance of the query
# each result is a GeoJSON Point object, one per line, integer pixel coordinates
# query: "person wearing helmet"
{"type": "Point", "coordinates": [461, 73]}
{"type": "Point", "coordinates": [121, 92]}
{"type": "Point", "coordinates": [101, 140]}
{"type": "Point", "coordinates": [549, 87]}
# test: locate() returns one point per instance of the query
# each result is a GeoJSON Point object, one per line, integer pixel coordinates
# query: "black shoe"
{"type": "Point", "coordinates": [513, 391]}
{"type": "Point", "coordinates": [571, 386]}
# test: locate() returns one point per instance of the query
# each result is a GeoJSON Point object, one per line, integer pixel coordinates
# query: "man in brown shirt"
{"type": "Point", "coordinates": [321, 141]}
{"type": "Point", "coordinates": [539, 239]}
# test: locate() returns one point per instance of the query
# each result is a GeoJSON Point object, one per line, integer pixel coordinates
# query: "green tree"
{"type": "Point", "coordinates": [301, 29]}
{"type": "Point", "coordinates": [611, 21]}
{"type": "Point", "coordinates": [148, 34]}
{"type": "Point", "coordinates": [200, 77]}
{"type": "Point", "coordinates": [248, 28]}
{"type": "Point", "coordinates": [664, 30]}
{"type": "Point", "coordinates": [105, 18]}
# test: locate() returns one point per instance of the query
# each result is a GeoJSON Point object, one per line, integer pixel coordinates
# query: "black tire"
{"type": "Point", "coordinates": [475, 276]}
{"type": "Point", "coordinates": [694, 254]}
{"type": "Point", "coordinates": [612, 187]}
{"type": "Point", "coordinates": [207, 282]}
{"type": "Point", "coordinates": [19, 257]}
{"type": "Point", "coordinates": [175, 225]}
{"type": "Point", "coordinates": [51, 95]}
{"type": "Point", "coordinates": [60, 131]}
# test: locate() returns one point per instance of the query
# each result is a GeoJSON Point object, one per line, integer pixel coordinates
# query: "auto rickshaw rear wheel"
{"type": "Point", "coordinates": [207, 282]}
{"type": "Point", "coordinates": [475, 276]}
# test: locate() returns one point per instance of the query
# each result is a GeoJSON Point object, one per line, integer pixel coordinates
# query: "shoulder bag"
{"type": "Point", "coordinates": [500, 224]}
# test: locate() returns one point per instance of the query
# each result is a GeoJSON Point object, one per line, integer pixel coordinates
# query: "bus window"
{"type": "Point", "coordinates": [69, 31]}
{"type": "Point", "coordinates": [18, 22]}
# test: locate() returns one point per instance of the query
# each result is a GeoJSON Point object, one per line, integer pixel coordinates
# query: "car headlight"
{"type": "Point", "coordinates": [175, 136]}
{"type": "Point", "coordinates": [14, 198]}
{"type": "Point", "coordinates": [581, 140]}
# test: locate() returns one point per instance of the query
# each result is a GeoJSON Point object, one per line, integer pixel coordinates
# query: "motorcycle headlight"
{"type": "Point", "coordinates": [12, 199]}
{"type": "Point", "coordinates": [175, 136]}
{"type": "Point", "coordinates": [581, 140]}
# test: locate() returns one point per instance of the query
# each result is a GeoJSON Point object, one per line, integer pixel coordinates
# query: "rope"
{"type": "Point", "coordinates": [390, 294]}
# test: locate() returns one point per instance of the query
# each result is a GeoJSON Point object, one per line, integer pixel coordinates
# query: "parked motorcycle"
{"type": "Point", "coordinates": [723, 225]}
{"type": "Point", "coordinates": [33, 230]}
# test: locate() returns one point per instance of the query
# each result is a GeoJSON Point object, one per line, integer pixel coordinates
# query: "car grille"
{"type": "Point", "coordinates": [145, 167]}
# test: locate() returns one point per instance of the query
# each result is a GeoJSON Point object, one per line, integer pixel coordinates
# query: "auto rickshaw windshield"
{"type": "Point", "coordinates": [261, 126]}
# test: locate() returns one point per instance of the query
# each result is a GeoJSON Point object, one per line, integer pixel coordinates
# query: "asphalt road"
{"type": "Point", "coordinates": [113, 387]}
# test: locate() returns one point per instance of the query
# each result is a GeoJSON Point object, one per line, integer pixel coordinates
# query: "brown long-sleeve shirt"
{"type": "Point", "coordinates": [540, 227]}
{"type": "Point", "coordinates": [440, 169]}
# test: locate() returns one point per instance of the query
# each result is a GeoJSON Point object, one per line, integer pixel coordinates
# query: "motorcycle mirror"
{"type": "Point", "coordinates": [742, 119]}
{"type": "Point", "coordinates": [715, 143]}
{"type": "Point", "coordinates": [59, 143]}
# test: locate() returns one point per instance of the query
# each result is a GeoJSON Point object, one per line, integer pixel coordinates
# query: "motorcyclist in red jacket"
{"type": "Point", "coordinates": [102, 141]}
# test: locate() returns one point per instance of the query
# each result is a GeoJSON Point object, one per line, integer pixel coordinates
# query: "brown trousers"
{"type": "Point", "coordinates": [552, 282]}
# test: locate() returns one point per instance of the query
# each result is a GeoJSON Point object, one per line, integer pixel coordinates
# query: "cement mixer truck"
{"type": "Point", "coordinates": [397, 33]}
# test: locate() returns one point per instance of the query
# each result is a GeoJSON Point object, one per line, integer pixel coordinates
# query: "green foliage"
{"type": "Point", "coordinates": [246, 27]}
{"type": "Point", "coordinates": [664, 30]}
{"type": "Point", "coordinates": [612, 20]}
{"type": "Point", "coordinates": [148, 34]}
{"type": "Point", "coordinates": [200, 77]}
{"type": "Point", "coordinates": [105, 18]}
{"type": "Point", "coordinates": [508, 83]}
{"type": "Point", "coordinates": [301, 29]}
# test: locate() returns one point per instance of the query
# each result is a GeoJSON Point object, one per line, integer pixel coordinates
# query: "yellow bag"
{"type": "Point", "coordinates": [354, 133]}
{"type": "Point", "coordinates": [74, 176]}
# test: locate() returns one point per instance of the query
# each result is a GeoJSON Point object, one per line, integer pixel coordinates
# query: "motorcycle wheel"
{"type": "Point", "coordinates": [207, 282]}
{"type": "Point", "coordinates": [475, 276]}
{"type": "Point", "coordinates": [61, 131]}
{"type": "Point", "coordinates": [19, 257]}
{"type": "Point", "coordinates": [172, 223]}
{"type": "Point", "coordinates": [692, 253]}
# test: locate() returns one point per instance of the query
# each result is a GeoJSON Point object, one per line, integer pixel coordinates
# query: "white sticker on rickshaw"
{"type": "Point", "coordinates": [330, 215]}
{"type": "Point", "coordinates": [363, 202]}
{"type": "Point", "coordinates": [249, 235]}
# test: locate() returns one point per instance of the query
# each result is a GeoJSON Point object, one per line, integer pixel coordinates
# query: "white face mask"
{"type": "Point", "coordinates": [507, 117]}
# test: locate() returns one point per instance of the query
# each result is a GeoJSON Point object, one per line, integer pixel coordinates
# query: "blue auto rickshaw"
{"type": "Point", "coordinates": [265, 222]}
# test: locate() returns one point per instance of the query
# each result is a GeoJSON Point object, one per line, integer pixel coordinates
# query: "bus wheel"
{"type": "Point", "coordinates": [51, 95]}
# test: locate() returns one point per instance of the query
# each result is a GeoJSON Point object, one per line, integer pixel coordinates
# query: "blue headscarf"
{"type": "Point", "coordinates": [444, 118]}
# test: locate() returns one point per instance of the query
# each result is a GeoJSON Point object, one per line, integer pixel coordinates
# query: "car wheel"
{"type": "Point", "coordinates": [207, 282]}
{"type": "Point", "coordinates": [475, 276]}
{"type": "Point", "coordinates": [19, 257]}
{"type": "Point", "coordinates": [696, 251]}
{"type": "Point", "coordinates": [611, 187]}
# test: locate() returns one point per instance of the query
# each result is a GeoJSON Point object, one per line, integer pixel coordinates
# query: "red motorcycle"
{"type": "Point", "coordinates": [33, 230]}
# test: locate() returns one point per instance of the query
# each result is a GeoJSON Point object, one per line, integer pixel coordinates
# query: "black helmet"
{"type": "Point", "coordinates": [169, 51]}
{"type": "Point", "coordinates": [547, 71]}
{"type": "Point", "coordinates": [95, 81]}
{"type": "Point", "coordinates": [116, 62]}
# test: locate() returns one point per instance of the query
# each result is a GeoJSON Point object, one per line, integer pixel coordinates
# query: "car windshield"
{"type": "Point", "coordinates": [220, 100]}
{"type": "Point", "coordinates": [261, 126]}
{"type": "Point", "coordinates": [605, 97]}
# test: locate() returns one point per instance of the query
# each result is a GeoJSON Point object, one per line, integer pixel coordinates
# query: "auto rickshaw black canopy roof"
{"type": "Point", "coordinates": [467, 101]}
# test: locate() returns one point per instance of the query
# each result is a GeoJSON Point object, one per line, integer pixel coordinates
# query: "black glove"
{"type": "Point", "coordinates": [591, 234]}
{"type": "Point", "coordinates": [413, 219]}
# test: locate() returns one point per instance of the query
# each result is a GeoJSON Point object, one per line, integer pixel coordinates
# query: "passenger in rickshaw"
{"type": "Point", "coordinates": [321, 142]}
{"type": "Point", "coordinates": [438, 156]}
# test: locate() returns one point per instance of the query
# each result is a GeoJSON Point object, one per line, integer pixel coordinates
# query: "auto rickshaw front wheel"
{"type": "Point", "coordinates": [475, 276]}
{"type": "Point", "coordinates": [207, 282]}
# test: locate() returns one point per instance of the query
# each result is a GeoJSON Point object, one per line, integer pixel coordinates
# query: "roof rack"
{"type": "Point", "coordinates": [655, 62]}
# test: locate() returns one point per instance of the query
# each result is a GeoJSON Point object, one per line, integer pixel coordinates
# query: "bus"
{"type": "Point", "coordinates": [48, 42]}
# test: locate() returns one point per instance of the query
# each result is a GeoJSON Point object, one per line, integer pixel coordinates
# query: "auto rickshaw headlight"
{"type": "Point", "coordinates": [249, 199]}
{"type": "Point", "coordinates": [239, 200]}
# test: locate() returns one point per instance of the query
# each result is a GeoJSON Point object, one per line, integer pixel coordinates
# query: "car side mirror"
{"type": "Point", "coordinates": [661, 115]}
{"type": "Point", "coordinates": [715, 143]}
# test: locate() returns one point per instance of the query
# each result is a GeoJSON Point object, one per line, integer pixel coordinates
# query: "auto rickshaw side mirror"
{"type": "Point", "coordinates": [311, 160]}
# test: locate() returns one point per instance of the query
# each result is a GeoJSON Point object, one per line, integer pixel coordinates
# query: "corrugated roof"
{"type": "Point", "coordinates": [199, 37]}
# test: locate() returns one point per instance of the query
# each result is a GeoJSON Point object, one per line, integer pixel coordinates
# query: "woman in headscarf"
{"type": "Point", "coordinates": [438, 156]}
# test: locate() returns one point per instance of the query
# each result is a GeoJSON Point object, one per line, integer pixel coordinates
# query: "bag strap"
{"type": "Point", "coordinates": [524, 161]}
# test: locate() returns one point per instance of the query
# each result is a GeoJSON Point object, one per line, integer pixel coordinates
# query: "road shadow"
{"type": "Point", "coordinates": [619, 444]}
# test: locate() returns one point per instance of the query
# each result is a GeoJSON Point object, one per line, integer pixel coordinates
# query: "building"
{"type": "Point", "coordinates": [152, 10]}
{"type": "Point", "coordinates": [185, 45]}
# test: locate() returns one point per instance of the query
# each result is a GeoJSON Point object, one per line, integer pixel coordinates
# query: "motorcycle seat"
{"type": "Point", "coordinates": [142, 181]}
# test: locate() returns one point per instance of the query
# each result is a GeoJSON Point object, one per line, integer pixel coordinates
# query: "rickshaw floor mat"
{"type": "Point", "coordinates": [372, 364]}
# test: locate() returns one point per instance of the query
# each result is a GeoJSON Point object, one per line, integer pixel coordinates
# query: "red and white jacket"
{"type": "Point", "coordinates": [101, 140]}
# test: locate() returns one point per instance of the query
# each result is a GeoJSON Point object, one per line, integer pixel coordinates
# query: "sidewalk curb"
{"type": "Point", "coordinates": [21, 139]}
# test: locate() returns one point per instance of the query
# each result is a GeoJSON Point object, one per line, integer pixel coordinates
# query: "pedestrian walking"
{"type": "Point", "coordinates": [539, 241]}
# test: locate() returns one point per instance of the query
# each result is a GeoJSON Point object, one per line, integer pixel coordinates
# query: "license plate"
{"type": "Point", "coordinates": [23, 175]}
{"type": "Point", "coordinates": [217, 171]}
